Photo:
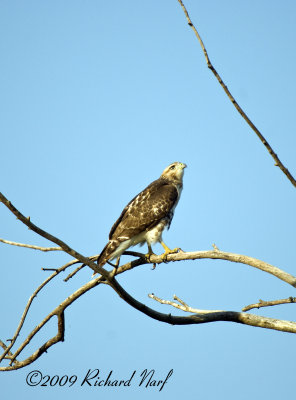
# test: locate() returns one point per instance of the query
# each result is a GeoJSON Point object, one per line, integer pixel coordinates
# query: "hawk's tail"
{"type": "Point", "coordinates": [107, 252]}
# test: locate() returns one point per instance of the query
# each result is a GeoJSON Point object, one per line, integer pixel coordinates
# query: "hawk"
{"type": "Point", "coordinates": [146, 216]}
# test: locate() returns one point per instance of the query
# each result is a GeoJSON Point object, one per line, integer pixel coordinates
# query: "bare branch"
{"type": "Point", "coordinates": [30, 246]}
{"type": "Point", "coordinates": [24, 315]}
{"type": "Point", "coordinates": [21, 323]}
{"type": "Point", "coordinates": [180, 301]}
{"type": "Point", "coordinates": [210, 254]}
{"type": "Point", "coordinates": [41, 232]}
{"type": "Point", "coordinates": [233, 316]}
{"type": "Point", "coordinates": [58, 311]}
{"type": "Point", "coordinates": [8, 353]}
{"type": "Point", "coordinates": [108, 277]}
{"type": "Point", "coordinates": [263, 303]}
{"type": "Point", "coordinates": [59, 337]}
{"type": "Point", "coordinates": [182, 307]}
{"type": "Point", "coordinates": [207, 316]}
{"type": "Point", "coordinates": [74, 272]}
{"type": "Point", "coordinates": [221, 255]}
{"type": "Point", "coordinates": [278, 163]}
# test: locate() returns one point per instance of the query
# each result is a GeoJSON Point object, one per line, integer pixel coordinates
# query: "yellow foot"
{"type": "Point", "coordinates": [168, 251]}
{"type": "Point", "coordinates": [148, 255]}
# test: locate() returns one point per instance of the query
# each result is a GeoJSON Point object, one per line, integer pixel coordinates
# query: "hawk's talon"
{"type": "Point", "coordinates": [148, 255]}
{"type": "Point", "coordinates": [164, 256]}
{"type": "Point", "coordinates": [177, 250]}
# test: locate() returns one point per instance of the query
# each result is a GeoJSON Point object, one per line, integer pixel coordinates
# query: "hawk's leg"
{"type": "Point", "coordinates": [167, 251]}
{"type": "Point", "coordinates": [150, 252]}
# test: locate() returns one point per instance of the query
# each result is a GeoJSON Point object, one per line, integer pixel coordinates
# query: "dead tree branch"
{"type": "Point", "coordinates": [183, 306]}
{"type": "Point", "coordinates": [233, 316]}
{"type": "Point", "coordinates": [278, 162]}
{"type": "Point", "coordinates": [263, 303]}
{"type": "Point", "coordinates": [200, 316]}
{"type": "Point", "coordinates": [59, 312]}
{"type": "Point", "coordinates": [29, 303]}
{"type": "Point", "coordinates": [237, 258]}
{"type": "Point", "coordinates": [67, 249]}
{"type": "Point", "coordinates": [30, 246]}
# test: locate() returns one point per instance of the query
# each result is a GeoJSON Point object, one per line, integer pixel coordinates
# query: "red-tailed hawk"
{"type": "Point", "coordinates": [146, 215]}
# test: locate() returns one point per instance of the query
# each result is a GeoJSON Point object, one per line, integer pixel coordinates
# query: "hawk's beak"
{"type": "Point", "coordinates": [183, 165]}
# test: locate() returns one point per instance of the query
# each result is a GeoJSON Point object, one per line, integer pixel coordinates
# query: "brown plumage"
{"type": "Point", "coordinates": [146, 215]}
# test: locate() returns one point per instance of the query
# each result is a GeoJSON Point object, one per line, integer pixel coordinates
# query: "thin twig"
{"type": "Point", "coordinates": [263, 303]}
{"type": "Point", "coordinates": [49, 269]}
{"type": "Point", "coordinates": [8, 354]}
{"type": "Point", "coordinates": [41, 232]}
{"type": "Point", "coordinates": [74, 272]}
{"type": "Point", "coordinates": [180, 301]}
{"type": "Point", "coordinates": [182, 307]}
{"type": "Point", "coordinates": [278, 163]}
{"type": "Point", "coordinates": [31, 246]}
{"type": "Point", "coordinates": [59, 337]}
{"type": "Point", "coordinates": [28, 305]}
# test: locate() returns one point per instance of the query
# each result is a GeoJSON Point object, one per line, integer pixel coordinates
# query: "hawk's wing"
{"type": "Point", "coordinates": [141, 214]}
{"type": "Point", "coordinates": [145, 210]}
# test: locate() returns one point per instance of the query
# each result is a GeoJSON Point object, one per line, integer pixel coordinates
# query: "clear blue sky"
{"type": "Point", "coordinates": [97, 98]}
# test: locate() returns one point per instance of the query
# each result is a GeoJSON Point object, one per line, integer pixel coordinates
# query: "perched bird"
{"type": "Point", "coordinates": [146, 216]}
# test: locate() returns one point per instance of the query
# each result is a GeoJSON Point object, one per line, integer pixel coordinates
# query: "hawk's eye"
{"type": "Point", "coordinates": [172, 167]}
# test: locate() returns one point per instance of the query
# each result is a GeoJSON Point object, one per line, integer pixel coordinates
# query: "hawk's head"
{"type": "Point", "coordinates": [174, 172]}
